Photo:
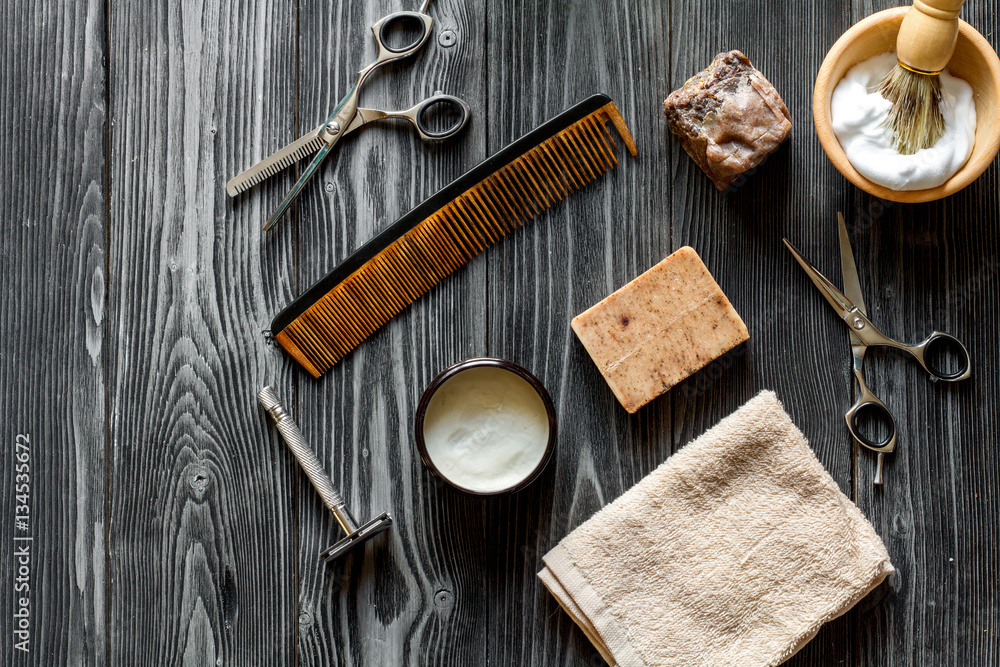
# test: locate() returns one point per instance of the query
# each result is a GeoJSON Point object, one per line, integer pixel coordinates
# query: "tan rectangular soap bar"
{"type": "Point", "coordinates": [660, 328]}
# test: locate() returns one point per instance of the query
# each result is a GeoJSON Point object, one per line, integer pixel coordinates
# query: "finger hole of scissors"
{"type": "Point", "coordinates": [441, 116]}
{"type": "Point", "coordinates": [402, 32]}
{"type": "Point", "coordinates": [945, 357]}
{"type": "Point", "coordinates": [872, 424]}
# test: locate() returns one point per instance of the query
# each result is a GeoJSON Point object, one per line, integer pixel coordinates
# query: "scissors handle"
{"type": "Point", "coordinates": [437, 118]}
{"type": "Point", "coordinates": [417, 22]}
{"type": "Point", "coordinates": [943, 356]}
{"type": "Point", "coordinates": [868, 408]}
{"type": "Point", "coordinates": [934, 354]}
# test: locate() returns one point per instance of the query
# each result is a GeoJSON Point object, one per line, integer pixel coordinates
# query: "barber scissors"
{"type": "Point", "coordinates": [942, 355]}
{"type": "Point", "coordinates": [347, 116]}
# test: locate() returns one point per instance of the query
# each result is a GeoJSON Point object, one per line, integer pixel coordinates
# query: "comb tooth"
{"type": "Point", "coordinates": [396, 275]}
{"type": "Point", "coordinates": [597, 138]}
{"type": "Point", "coordinates": [477, 206]}
{"type": "Point", "coordinates": [530, 195]}
{"type": "Point", "coordinates": [420, 262]}
{"type": "Point", "coordinates": [363, 291]}
{"type": "Point", "coordinates": [386, 284]}
{"type": "Point", "coordinates": [532, 167]}
{"type": "Point", "coordinates": [355, 317]}
{"type": "Point", "coordinates": [323, 353]}
{"type": "Point", "coordinates": [339, 324]}
{"type": "Point", "coordinates": [511, 212]}
{"type": "Point", "coordinates": [586, 148]}
{"type": "Point", "coordinates": [440, 239]}
{"type": "Point", "coordinates": [587, 153]}
{"type": "Point", "coordinates": [492, 198]}
{"type": "Point", "coordinates": [578, 156]}
{"type": "Point", "coordinates": [560, 149]}
{"type": "Point", "coordinates": [375, 284]}
{"type": "Point", "coordinates": [336, 313]}
{"type": "Point", "coordinates": [332, 346]}
{"type": "Point", "coordinates": [436, 246]}
{"type": "Point", "coordinates": [552, 174]}
{"type": "Point", "coordinates": [436, 239]}
{"type": "Point", "coordinates": [425, 239]}
{"type": "Point", "coordinates": [472, 225]}
{"type": "Point", "coordinates": [304, 349]}
{"type": "Point", "coordinates": [406, 267]}
{"type": "Point", "coordinates": [590, 141]}
{"type": "Point", "coordinates": [603, 121]}
{"type": "Point", "coordinates": [497, 218]}
{"type": "Point", "coordinates": [610, 112]}
{"type": "Point", "coordinates": [477, 203]}
{"type": "Point", "coordinates": [537, 182]}
{"type": "Point", "coordinates": [452, 237]}
{"type": "Point", "coordinates": [512, 199]}
{"type": "Point", "coordinates": [293, 334]}
{"type": "Point", "coordinates": [599, 131]}
{"type": "Point", "coordinates": [534, 197]}
{"type": "Point", "coordinates": [515, 194]}
{"type": "Point", "coordinates": [458, 224]}
{"type": "Point", "coordinates": [391, 282]}
{"type": "Point", "coordinates": [558, 173]}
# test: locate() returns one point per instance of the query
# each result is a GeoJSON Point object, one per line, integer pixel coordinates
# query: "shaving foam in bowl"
{"type": "Point", "coordinates": [974, 61]}
{"type": "Point", "coordinates": [486, 426]}
{"type": "Point", "coordinates": [858, 112]}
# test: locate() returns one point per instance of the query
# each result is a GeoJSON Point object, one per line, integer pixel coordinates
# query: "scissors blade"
{"type": "Point", "coordinates": [276, 161]}
{"type": "Point", "coordinates": [852, 284]}
{"type": "Point", "coordinates": [299, 184]}
{"type": "Point", "coordinates": [834, 297]}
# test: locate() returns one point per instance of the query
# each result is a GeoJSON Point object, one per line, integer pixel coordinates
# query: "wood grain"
{"type": "Point", "coordinates": [52, 318]}
{"type": "Point", "coordinates": [416, 597]}
{"type": "Point", "coordinates": [172, 526]}
{"type": "Point", "coordinates": [202, 540]}
{"type": "Point", "coordinates": [795, 193]}
{"type": "Point", "coordinates": [935, 266]}
{"type": "Point", "coordinates": [557, 266]}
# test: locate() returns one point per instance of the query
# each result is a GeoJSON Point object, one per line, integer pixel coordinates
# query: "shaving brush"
{"type": "Point", "coordinates": [925, 44]}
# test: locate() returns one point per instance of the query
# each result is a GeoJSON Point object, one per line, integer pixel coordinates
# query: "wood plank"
{"type": "Point", "coordinates": [170, 523]}
{"type": "Point", "coordinates": [935, 266]}
{"type": "Point", "coordinates": [561, 263]}
{"type": "Point", "coordinates": [415, 596]}
{"type": "Point", "coordinates": [796, 348]}
{"type": "Point", "coordinates": [202, 537]}
{"type": "Point", "coordinates": [52, 321]}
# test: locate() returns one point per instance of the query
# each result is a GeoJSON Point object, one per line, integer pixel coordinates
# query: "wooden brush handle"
{"type": "Point", "coordinates": [927, 37]}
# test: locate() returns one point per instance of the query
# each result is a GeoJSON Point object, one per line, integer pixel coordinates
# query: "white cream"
{"type": "Point", "coordinates": [486, 429]}
{"type": "Point", "coordinates": [857, 111]}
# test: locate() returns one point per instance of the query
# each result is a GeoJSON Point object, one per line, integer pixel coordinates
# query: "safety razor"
{"type": "Point", "coordinates": [355, 535]}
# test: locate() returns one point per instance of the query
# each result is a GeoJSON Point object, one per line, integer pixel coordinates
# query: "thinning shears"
{"type": "Point", "coordinates": [426, 115]}
{"type": "Point", "coordinates": [942, 355]}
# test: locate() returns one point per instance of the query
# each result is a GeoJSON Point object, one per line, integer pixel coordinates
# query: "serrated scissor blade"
{"type": "Point", "coordinates": [276, 161]}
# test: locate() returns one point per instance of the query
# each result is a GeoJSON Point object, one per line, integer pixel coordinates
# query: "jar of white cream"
{"type": "Point", "coordinates": [486, 426]}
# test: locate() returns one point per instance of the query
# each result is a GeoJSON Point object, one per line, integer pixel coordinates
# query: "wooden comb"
{"type": "Point", "coordinates": [444, 232]}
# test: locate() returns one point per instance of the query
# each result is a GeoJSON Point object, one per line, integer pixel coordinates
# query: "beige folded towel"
{"type": "Point", "coordinates": [733, 552]}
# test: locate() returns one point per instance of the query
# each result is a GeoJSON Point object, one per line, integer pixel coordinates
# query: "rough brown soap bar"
{"type": "Point", "coordinates": [728, 117]}
{"type": "Point", "coordinates": [660, 328]}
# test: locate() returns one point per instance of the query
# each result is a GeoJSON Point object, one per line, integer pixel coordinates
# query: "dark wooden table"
{"type": "Point", "coordinates": [169, 523]}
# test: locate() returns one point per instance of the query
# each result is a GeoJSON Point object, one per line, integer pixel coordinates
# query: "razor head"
{"type": "Point", "coordinates": [358, 537]}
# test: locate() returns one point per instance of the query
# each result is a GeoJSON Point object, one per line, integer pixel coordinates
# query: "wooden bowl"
{"type": "Point", "coordinates": [974, 60]}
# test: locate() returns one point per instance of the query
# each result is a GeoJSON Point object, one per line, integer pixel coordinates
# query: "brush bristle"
{"type": "Point", "coordinates": [420, 258]}
{"type": "Point", "coordinates": [915, 119]}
